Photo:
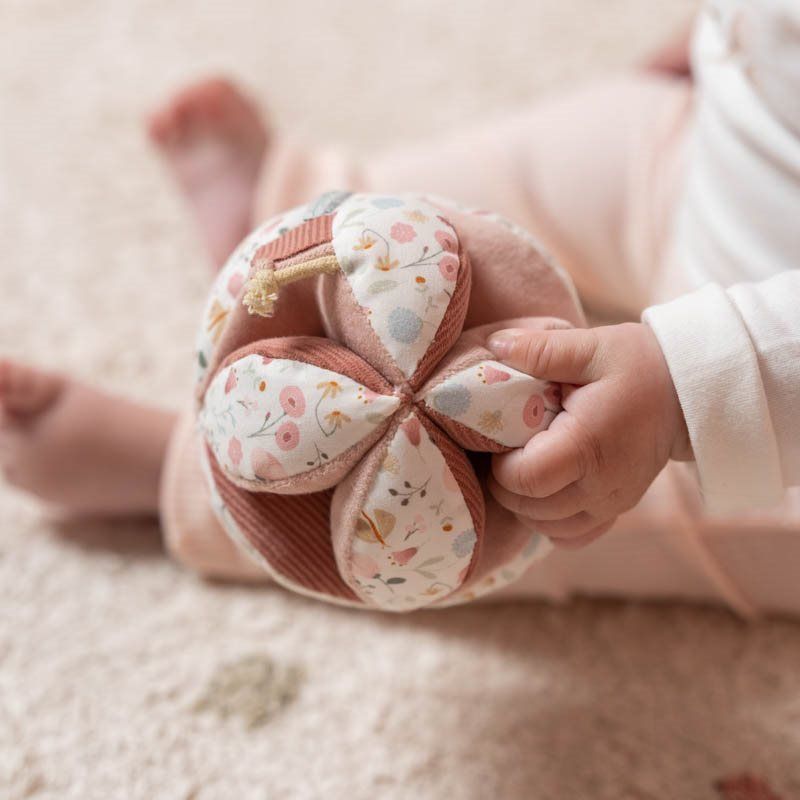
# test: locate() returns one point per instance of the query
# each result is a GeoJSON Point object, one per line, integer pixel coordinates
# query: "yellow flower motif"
{"type": "Point", "coordinates": [384, 264]}
{"type": "Point", "coordinates": [416, 216]}
{"type": "Point", "coordinates": [330, 389]}
{"type": "Point", "coordinates": [337, 418]}
{"type": "Point", "coordinates": [491, 421]}
{"type": "Point", "coordinates": [364, 242]}
{"type": "Point", "coordinates": [391, 464]}
{"type": "Point", "coordinates": [216, 320]}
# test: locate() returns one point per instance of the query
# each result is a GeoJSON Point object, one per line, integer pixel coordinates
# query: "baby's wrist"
{"type": "Point", "coordinates": [681, 446]}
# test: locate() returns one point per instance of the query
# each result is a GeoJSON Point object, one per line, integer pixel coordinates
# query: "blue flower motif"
{"type": "Point", "coordinates": [464, 543]}
{"type": "Point", "coordinates": [452, 400]}
{"type": "Point", "coordinates": [404, 325]}
{"type": "Point", "coordinates": [387, 202]}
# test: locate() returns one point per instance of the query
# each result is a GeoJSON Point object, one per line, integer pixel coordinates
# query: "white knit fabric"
{"type": "Point", "coordinates": [734, 353]}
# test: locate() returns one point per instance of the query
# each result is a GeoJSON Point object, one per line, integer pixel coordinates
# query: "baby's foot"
{"type": "Point", "coordinates": [214, 140]}
{"type": "Point", "coordinates": [77, 448]}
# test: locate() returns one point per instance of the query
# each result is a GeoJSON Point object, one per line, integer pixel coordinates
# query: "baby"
{"type": "Point", "coordinates": [657, 191]}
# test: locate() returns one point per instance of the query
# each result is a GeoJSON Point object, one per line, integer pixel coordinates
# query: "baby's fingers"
{"type": "Point", "coordinates": [551, 460]}
{"type": "Point", "coordinates": [570, 500]}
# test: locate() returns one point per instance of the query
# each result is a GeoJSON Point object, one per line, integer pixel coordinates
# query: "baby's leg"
{"type": "Point", "coordinates": [667, 548]}
{"type": "Point", "coordinates": [77, 448]}
{"type": "Point", "coordinates": [591, 172]}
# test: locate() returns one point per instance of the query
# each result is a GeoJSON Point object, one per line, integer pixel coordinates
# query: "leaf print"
{"type": "Point", "coordinates": [490, 374]}
{"type": "Point", "coordinates": [265, 466]}
{"type": "Point", "coordinates": [375, 530]}
{"type": "Point", "coordinates": [231, 382]}
{"type": "Point", "coordinates": [201, 359]}
{"type": "Point", "coordinates": [382, 286]}
{"type": "Point", "coordinates": [402, 557]}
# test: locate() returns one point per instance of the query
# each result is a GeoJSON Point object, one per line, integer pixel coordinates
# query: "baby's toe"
{"type": "Point", "coordinates": [25, 389]}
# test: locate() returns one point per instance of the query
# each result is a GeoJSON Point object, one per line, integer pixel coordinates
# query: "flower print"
{"type": "Point", "coordinates": [266, 466]}
{"type": "Point", "coordinates": [293, 401]}
{"type": "Point", "coordinates": [464, 543]}
{"type": "Point", "coordinates": [448, 267]}
{"type": "Point", "coordinates": [287, 437]}
{"type": "Point", "coordinates": [235, 284]}
{"type": "Point", "coordinates": [391, 464]}
{"type": "Point", "coordinates": [230, 383]}
{"type": "Point", "coordinates": [491, 421]}
{"type": "Point", "coordinates": [401, 557]}
{"type": "Point", "coordinates": [402, 232]}
{"type": "Point", "coordinates": [262, 386]}
{"type": "Point", "coordinates": [216, 320]}
{"type": "Point", "coordinates": [235, 451]}
{"type": "Point", "coordinates": [364, 566]}
{"type": "Point", "coordinates": [416, 216]}
{"type": "Point", "coordinates": [385, 264]}
{"type": "Point", "coordinates": [418, 525]}
{"type": "Point", "coordinates": [366, 395]}
{"type": "Point", "coordinates": [412, 429]}
{"type": "Point", "coordinates": [553, 394]}
{"type": "Point", "coordinates": [336, 419]}
{"type": "Point", "coordinates": [493, 375]}
{"type": "Point", "coordinates": [404, 325]}
{"type": "Point", "coordinates": [365, 242]}
{"type": "Point", "coordinates": [329, 389]}
{"type": "Point", "coordinates": [446, 241]}
{"type": "Point", "coordinates": [533, 413]}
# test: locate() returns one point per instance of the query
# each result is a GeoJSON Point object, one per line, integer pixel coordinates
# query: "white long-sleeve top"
{"type": "Point", "coordinates": [733, 345]}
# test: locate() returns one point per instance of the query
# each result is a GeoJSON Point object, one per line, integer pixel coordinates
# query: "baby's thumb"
{"type": "Point", "coordinates": [565, 356]}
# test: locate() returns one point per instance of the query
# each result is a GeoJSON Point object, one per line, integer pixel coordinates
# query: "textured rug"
{"type": "Point", "coordinates": [122, 676]}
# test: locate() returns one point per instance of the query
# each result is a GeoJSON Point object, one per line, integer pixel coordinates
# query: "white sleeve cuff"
{"type": "Point", "coordinates": [715, 371]}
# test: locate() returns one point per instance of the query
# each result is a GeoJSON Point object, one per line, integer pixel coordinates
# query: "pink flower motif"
{"type": "Point", "coordinates": [235, 284]}
{"type": "Point", "coordinates": [287, 437]}
{"type": "Point", "coordinates": [266, 466]}
{"type": "Point", "coordinates": [402, 557]}
{"type": "Point", "coordinates": [446, 241]}
{"type": "Point", "coordinates": [235, 451]}
{"type": "Point", "coordinates": [418, 525]}
{"type": "Point", "coordinates": [411, 428]}
{"type": "Point", "coordinates": [364, 566]}
{"type": "Point", "coordinates": [266, 360]}
{"type": "Point", "coordinates": [369, 396]}
{"type": "Point", "coordinates": [533, 413]}
{"type": "Point", "coordinates": [493, 375]}
{"type": "Point", "coordinates": [230, 383]}
{"type": "Point", "coordinates": [402, 232]}
{"type": "Point", "coordinates": [448, 266]}
{"type": "Point", "coordinates": [293, 401]}
{"type": "Point", "coordinates": [553, 394]}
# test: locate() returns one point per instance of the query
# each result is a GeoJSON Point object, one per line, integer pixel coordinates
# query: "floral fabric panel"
{"type": "Point", "coordinates": [400, 258]}
{"type": "Point", "coordinates": [268, 419]}
{"type": "Point", "coordinates": [502, 403]}
{"type": "Point", "coordinates": [414, 537]}
{"type": "Point", "coordinates": [535, 550]}
{"type": "Point", "coordinates": [232, 277]}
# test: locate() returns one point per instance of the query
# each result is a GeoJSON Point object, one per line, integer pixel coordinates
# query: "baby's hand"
{"type": "Point", "coordinates": [620, 425]}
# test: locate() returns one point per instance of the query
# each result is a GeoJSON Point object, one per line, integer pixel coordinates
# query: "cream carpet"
{"type": "Point", "coordinates": [122, 676]}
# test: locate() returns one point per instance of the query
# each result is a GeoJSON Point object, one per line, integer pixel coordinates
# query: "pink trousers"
{"type": "Point", "coordinates": [596, 175]}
